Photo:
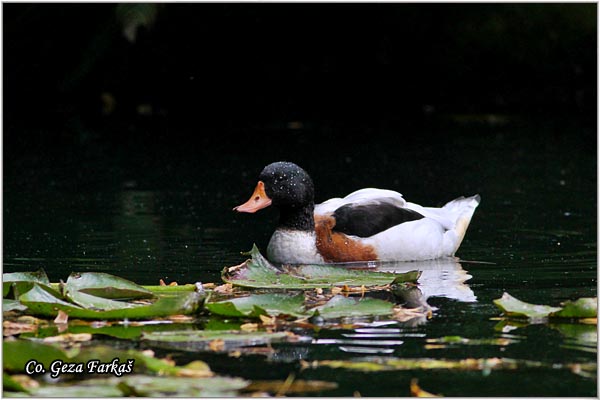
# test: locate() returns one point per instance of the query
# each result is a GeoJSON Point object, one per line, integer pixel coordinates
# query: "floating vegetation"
{"type": "Point", "coordinates": [258, 272]}
{"type": "Point", "coordinates": [451, 341]}
{"type": "Point", "coordinates": [97, 296]}
{"type": "Point", "coordinates": [584, 308]}
{"type": "Point", "coordinates": [260, 310]}
{"type": "Point", "coordinates": [59, 321]}
{"type": "Point", "coordinates": [294, 305]}
{"type": "Point", "coordinates": [19, 353]}
{"type": "Point", "coordinates": [218, 340]}
{"type": "Point", "coordinates": [486, 365]}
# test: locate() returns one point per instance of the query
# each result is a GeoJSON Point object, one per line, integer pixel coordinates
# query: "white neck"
{"type": "Point", "coordinates": [289, 246]}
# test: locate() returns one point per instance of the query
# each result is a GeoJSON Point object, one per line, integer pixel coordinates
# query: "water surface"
{"type": "Point", "coordinates": [150, 215]}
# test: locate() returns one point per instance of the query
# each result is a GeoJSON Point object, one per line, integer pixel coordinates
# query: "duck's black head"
{"type": "Point", "coordinates": [288, 187]}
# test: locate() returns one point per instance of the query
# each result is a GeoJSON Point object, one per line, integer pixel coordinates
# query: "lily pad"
{"type": "Point", "coordinates": [340, 306]}
{"type": "Point", "coordinates": [513, 307]}
{"type": "Point", "coordinates": [277, 304]}
{"type": "Point", "coordinates": [21, 282]}
{"type": "Point", "coordinates": [272, 304]}
{"type": "Point", "coordinates": [12, 305]}
{"type": "Point", "coordinates": [97, 303]}
{"type": "Point", "coordinates": [171, 304]}
{"type": "Point", "coordinates": [585, 307]}
{"type": "Point", "coordinates": [41, 299]}
{"type": "Point", "coordinates": [38, 276]}
{"type": "Point", "coordinates": [258, 272]}
{"type": "Point", "coordinates": [581, 308]}
{"type": "Point", "coordinates": [105, 286]}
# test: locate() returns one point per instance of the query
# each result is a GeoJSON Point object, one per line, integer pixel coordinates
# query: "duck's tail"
{"type": "Point", "coordinates": [460, 211]}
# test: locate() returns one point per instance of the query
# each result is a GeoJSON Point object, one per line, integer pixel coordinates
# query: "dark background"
{"type": "Point", "coordinates": [192, 77]}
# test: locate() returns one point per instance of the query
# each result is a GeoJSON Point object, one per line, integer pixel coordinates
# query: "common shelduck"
{"type": "Point", "coordinates": [367, 225]}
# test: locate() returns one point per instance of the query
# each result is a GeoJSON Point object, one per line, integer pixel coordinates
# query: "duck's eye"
{"type": "Point", "coordinates": [257, 198]}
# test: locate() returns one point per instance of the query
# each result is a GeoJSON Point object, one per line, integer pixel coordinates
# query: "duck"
{"type": "Point", "coordinates": [369, 224]}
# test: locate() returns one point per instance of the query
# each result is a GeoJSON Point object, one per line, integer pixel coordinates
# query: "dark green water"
{"type": "Point", "coordinates": [157, 214]}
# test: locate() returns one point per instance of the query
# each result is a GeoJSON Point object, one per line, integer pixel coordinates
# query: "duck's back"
{"type": "Point", "coordinates": [384, 226]}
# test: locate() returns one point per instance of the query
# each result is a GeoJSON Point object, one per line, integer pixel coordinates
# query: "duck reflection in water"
{"type": "Point", "coordinates": [439, 278]}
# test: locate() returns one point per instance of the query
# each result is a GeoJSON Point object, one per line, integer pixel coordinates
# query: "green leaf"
{"type": "Point", "coordinates": [21, 282]}
{"type": "Point", "coordinates": [96, 303]}
{"type": "Point", "coordinates": [275, 304]}
{"type": "Point", "coordinates": [38, 276]}
{"type": "Point", "coordinates": [9, 384]}
{"type": "Point", "coordinates": [156, 386]}
{"type": "Point", "coordinates": [585, 307]}
{"type": "Point", "coordinates": [513, 307]}
{"type": "Point", "coordinates": [42, 303]}
{"type": "Point", "coordinates": [257, 272]}
{"type": "Point", "coordinates": [190, 287]}
{"type": "Point", "coordinates": [340, 306]}
{"type": "Point", "coordinates": [17, 353]}
{"type": "Point", "coordinates": [146, 386]}
{"type": "Point", "coordinates": [272, 304]}
{"type": "Point", "coordinates": [107, 286]}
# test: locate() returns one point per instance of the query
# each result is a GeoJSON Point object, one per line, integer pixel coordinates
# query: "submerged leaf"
{"type": "Point", "coordinates": [12, 385]}
{"type": "Point", "coordinates": [17, 353]}
{"type": "Point", "coordinates": [258, 272]}
{"type": "Point", "coordinates": [10, 328]}
{"type": "Point", "coordinates": [216, 340]}
{"type": "Point", "coordinates": [296, 386]}
{"type": "Point", "coordinates": [157, 386]}
{"type": "Point", "coordinates": [416, 391]}
{"type": "Point", "coordinates": [374, 364]}
{"type": "Point", "coordinates": [78, 390]}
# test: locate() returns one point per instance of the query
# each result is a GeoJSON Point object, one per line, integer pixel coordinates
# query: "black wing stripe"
{"type": "Point", "coordinates": [370, 219]}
